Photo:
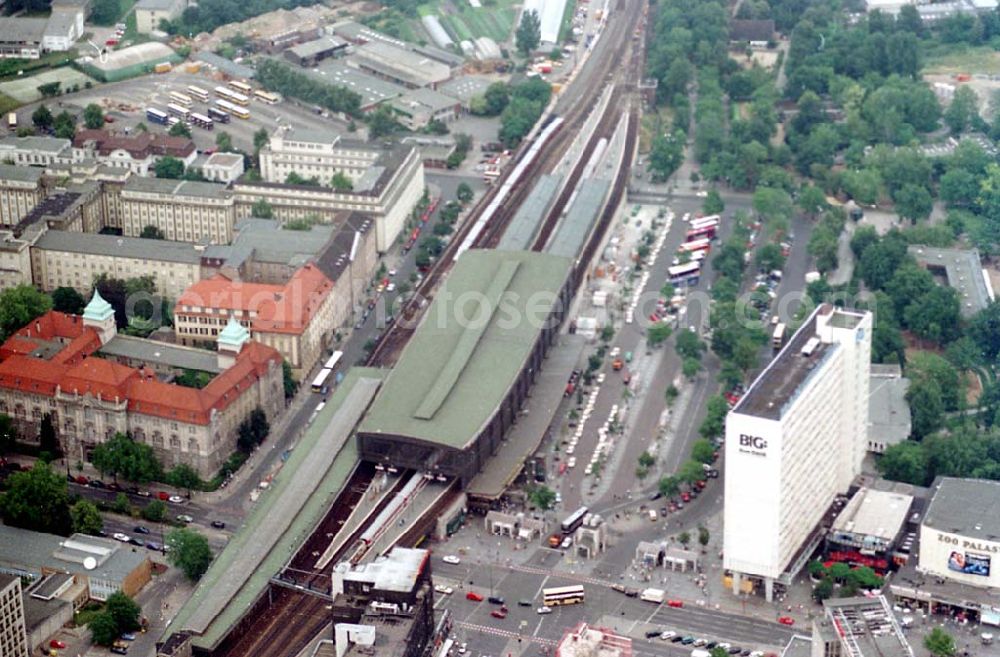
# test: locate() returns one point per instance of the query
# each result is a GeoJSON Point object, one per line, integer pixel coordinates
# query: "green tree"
{"type": "Point", "coordinates": [288, 381]}
{"type": "Point", "coordinates": [103, 629]}
{"type": "Point", "coordinates": [703, 451]}
{"type": "Point", "coordinates": [529, 33]}
{"type": "Point", "coordinates": [124, 610]}
{"type": "Point", "coordinates": [669, 486]}
{"type": "Point", "coordinates": [714, 423]}
{"type": "Point", "coordinates": [49, 89]}
{"type": "Point", "coordinates": [169, 167]}
{"type": "Point", "coordinates": [913, 202]}
{"type": "Point", "coordinates": [19, 305]}
{"type": "Point", "coordinates": [703, 536]}
{"type": "Point", "coordinates": [464, 192]}
{"type": "Point", "coordinates": [190, 552]}
{"type": "Point", "coordinates": [123, 456]}
{"type": "Point", "coordinates": [184, 476]}
{"type": "Point", "coordinates": [105, 12]}
{"type": "Point", "coordinates": [260, 140]}
{"type": "Point", "coordinates": [963, 110]}
{"type": "Point", "coordinates": [666, 155]}
{"type": "Point", "coordinates": [646, 459]}
{"type": "Point", "coordinates": [155, 511]}
{"type": "Point", "coordinates": [179, 129]}
{"type": "Point", "coordinates": [935, 315]}
{"type": "Point", "coordinates": [495, 98]}
{"type": "Point", "coordinates": [42, 117]}
{"type": "Point", "coordinates": [86, 518]}
{"type": "Point", "coordinates": [811, 200]}
{"type": "Point", "coordinates": [224, 141]}
{"type": "Point", "coordinates": [341, 182]}
{"type": "Point", "coordinates": [93, 116]}
{"type": "Point", "coordinates": [262, 209]}
{"type": "Point", "coordinates": [823, 590]}
{"type": "Point", "coordinates": [68, 300]}
{"type": "Point", "coordinates": [64, 125]}
{"type": "Point", "coordinates": [8, 434]}
{"type": "Point", "coordinates": [926, 408]}
{"type": "Point", "coordinates": [713, 203]}
{"type": "Point", "coordinates": [690, 472]}
{"type": "Point", "coordinates": [939, 643]}
{"type": "Point", "coordinates": [690, 368]}
{"type": "Point", "coordinates": [122, 505]}
{"type": "Point", "coordinates": [657, 334]}
{"type": "Point", "coordinates": [684, 538]}
{"type": "Point", "coordinates": [718, 652]}
{"type": "Point", "coordinates": [37, 500]}
{"type": "Point", "coordinates": [543, 497]}
{"type": "Point", "coordinates": [152, 232]}
{"type": "Point", "coordinates": [382, 123]}
{"type": "Point", "coordinates": [772, 204]}
{"type": "Point", "coordinates": [769, 257]}
{"type": "Point", "coordinates": [48, 441]}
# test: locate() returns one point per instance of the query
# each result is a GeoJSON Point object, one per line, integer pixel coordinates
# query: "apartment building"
{"type": "Point", "coordinates": [296, 318]}
{"type": "Point", "coordinates": [184, 210]}
{"type": "Point", "coordinates": [388, 191]}
{"type": "Point", "coordinates": [73, 368]}
{"type": "Point", "coordinates": [311, 153]}
{"type": "Point", "coordinates": [149, 13]}
{"type": "Point", "coordinates": [15, 260]}
{"type": "Point", "coordinates": [13, 632]}
{"type": "Point", "coordinates": [138, 153]}
{"type": "Point", "coordinates": [75, 207]}
{"type": "Point", "coordinates": [65, 259]}
{"type": "Point", "coordinates": [794, 442]}
{"type": "Point", "coordinates": [21, 189]}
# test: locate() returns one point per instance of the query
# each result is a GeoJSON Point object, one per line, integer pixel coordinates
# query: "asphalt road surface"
{"type": "Point", "coordinates": [603, 606]}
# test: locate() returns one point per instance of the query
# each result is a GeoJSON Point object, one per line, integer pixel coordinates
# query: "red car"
{"type": "Point", "coordinates": [82, 480]}
{"type": "Point", "coordinates": [162, 496]}
{"type": "Point", "coordinates": [786, 620]}
{"type": "Point", "coordinates": [686, 496]}
{"type": "Point", "coordinates": [498, 613]}
{"type": "Point", "coordinates": [59, 645]}
{"type": "Point", "coordinates": [675, 603]}
{"type": "Point", "coordinates": [475, 597]}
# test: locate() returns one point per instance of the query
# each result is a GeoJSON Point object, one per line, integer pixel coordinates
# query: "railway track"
{"type": "Point", "coordinates": [619, 29]}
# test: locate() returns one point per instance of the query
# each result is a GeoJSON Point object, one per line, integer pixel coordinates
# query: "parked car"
{"type": "Point", "coordinates": [128, 637]}
{"type": "Point", "coordinates": [445, 590]}
{"type": "Point", "coordinates": [140, 529]}
{"type": "Point", "coordinates": [786, 620]}
{"type": "Point", "coordinates": [176, 499]}
{"type": "Point", "coordinates": [153, 545]}
{"type": "Point", "coordinates": [452, 559]}
{"type": "Point", "coordinates": [677, 604]}
{"type": "Point", "coordinates": [135, 541]}
{"type": "Point", "coordinates": [162, 496]}
{"type": "Point", "coordinates": [496, 600]}
{"type": "Point", "coordinates": [185, 518]}
{"type": "Point", "coordinates": [59, 645]}
{"type": "Point", "coordinates": [218, 524]}
{"type": "Point", "coordinates": [544, 610]}
{"type": "Point", "coordinates": [668, 635]}
{"type": "Point", "coordinates": [524, 603]}
{"type": "Point", "coordinates": [96, 483]}
{"type": "Point", "coordinates": [119, 536]}
{"type": "Point", "coordinates": [652, 634]}
{"type": "Point", "coordinates": [498, 613]}
{"type": "Point", "coordinates": [475, 597]}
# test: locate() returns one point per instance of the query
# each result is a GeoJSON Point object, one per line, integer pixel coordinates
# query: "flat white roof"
{"type": "Point", "coordinates": [874, 513]}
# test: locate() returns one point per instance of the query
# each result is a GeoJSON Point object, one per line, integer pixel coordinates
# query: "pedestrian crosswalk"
{"type": "Point", "coordinates": [496, 631]}
{"type": "Point", "coordinates": [583, 579]}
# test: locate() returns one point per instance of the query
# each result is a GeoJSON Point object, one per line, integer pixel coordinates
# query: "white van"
{"type": "Point", "coordinates": [652, 515]}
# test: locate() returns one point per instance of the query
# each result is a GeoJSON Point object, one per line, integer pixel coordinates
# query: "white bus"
{"type": "Point", "coordinates": [701, 222]}
{"type": "Point", "coordinates": [696, 245]}
{"type": "Point", "coordinates": [178, 111]}
{"type": "Point", "coordinates": [199, 93]}
{"type": "Point", "coordinates": [575, 519]}
{"type": "Point", "coordinates": [235, 110]}
{"type": "Point", "coordinates": [181, 99]}
{"type": "Point", "coordinates": [201, 121]}
{"type": "Point", "coordinates": [778, 337]}
{"type": "Point", "coordinates": [267, 97]}
{"type": "Point", "coordinates": [232, 96]}
{"type": "Point", "coordinates": [333, 360]}
{"type": "Point", "coordinates": [320, 381]}
{"type": "Point", "coordinates": [686, 273]}
{"type": "Point", "coordinates": [563, 595]}
{"type": "Point", "coordinates": [241, 87]}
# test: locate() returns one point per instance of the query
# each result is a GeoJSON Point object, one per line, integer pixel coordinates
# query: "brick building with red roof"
{"type": "Point", "coordinates": [296, 318]}
{"type": "Point", "coordinates": [95, 384]}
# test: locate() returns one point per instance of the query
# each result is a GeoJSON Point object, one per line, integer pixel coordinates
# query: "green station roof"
{"type": "Point", "coordinates": [470, 347]}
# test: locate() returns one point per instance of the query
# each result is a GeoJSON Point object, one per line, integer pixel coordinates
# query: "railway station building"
{"type": "Point", "coordinates": [464, 375]}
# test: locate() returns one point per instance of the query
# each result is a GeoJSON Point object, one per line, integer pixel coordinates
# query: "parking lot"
{"type": "Point", "coordinates": [126, 103]}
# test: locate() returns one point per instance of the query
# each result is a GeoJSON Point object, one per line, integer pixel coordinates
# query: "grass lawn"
{"type": "Point", "coordinates": [958, 59]}
{"type": "Point", "coordinates": [7, 104]}
{"type": "Point", "coordinates": [465, 22]}
{"type": "Point", "coordinates": [124, 6]}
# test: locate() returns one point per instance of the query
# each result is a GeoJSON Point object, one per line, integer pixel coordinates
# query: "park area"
{"type": "Point", "coordinates": [25, 90]}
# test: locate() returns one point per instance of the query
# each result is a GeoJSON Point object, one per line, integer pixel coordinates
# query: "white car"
{"type": "Point", "coordinates": [124, 538]}
{"type": "Point", "coordinates": [452, 559]}
{"type": "Point", "coordinates": [177, 499]}
{"type": "Point", "coordinates": [441, 588]}
{"type": "Point", "coordinates": [185, 518]}
{"type": "Point", "coordinates": [669, 634]}
{"type": "Point", "coordinates": [544, 610]}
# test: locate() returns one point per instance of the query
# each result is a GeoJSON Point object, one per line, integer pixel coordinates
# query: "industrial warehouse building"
{"type": "Point", "coordinates": [795, 442]}
{"type": "Point", "coordinates": [467, 370]}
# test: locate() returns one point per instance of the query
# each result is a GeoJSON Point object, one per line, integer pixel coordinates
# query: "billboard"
{"type": "Point", "coordinates": [969, 563]}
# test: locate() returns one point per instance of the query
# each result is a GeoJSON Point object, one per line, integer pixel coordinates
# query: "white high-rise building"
{"type": "Point", "coordinates": [793, 443]}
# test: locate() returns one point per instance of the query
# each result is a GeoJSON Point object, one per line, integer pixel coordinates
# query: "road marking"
{"type": "Point", "coordinates": [485, 629]}
{"type": "Point", "coordinates": [541, 586]}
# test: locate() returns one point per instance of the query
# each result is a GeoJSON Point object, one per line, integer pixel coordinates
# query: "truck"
{"type": "Point", "coordinates": [12, 121]}
{"type": "Point", "coordinates": [653, 595]}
